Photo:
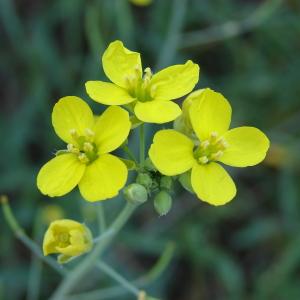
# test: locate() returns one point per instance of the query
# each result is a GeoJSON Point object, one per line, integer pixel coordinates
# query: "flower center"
{"type": "Point", "coordinates": [84, 147]}
{"type": "Point", "coordinates": [63, 239]}
{"type": "Point", "coordinates": [211, 149]}
{"type": "Point", "coordinates": [139, 86]}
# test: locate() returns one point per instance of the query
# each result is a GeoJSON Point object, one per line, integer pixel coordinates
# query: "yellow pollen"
{"type": "Point", "coordinates": [205, 144]}
{"type": "Point", "coordinates": [88, 147]}
{"type": "Point", "coordinates": [216, 155]}
{"type": "Point", "coordinates": [73, 133]}
{"type": "Point", "coordinates": [83, 158]}
{"type": "Point", "coordinates": [203, 159]}
{"type": "Point", "coordinates": [72, 149]}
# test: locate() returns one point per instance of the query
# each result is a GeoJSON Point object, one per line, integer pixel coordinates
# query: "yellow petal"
{"type": "Point", "coordinates": [71, 113]}
{"type": "Point", "coordinates": [60, 175]}
{"type": "Point", "coordinates": [119, 63]}
{"type": "Point", "coordinates": [103, 178]}
{"type": "Point", "coordinates": [212, 184]}
{"type": "Point", "coordinates": [107, 93]}
{"type": "Point", "coordinates": [141, 2]}
{"type": "Point", "coordinates": [211, 112]}
{"type": "Point", "coordinates": [172, 152]}
{"type": "Point", "coordinates": [157, 111]}
{"type": "Point", "coordinates": [175, 81]}
{"type": "Point", "coordinates": [247, 146]}
{"type": "Point", "coordinates": [111, 129]}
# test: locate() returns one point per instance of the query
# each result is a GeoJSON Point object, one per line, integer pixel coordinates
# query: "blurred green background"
{"type": "Point", "coordinates": [249, 51]}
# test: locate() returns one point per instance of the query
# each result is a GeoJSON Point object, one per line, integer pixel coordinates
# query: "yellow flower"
{"type": "Point", "coordinates": [183, 122]}
{"type": "Point", "coordinates": [141, 2]}
{"type": "Point", "coordinates": [68, 238]}
{"type": "Point", "coordinates": [149, 95]}
{"type": "Point", "coordinates": [174, 153]}
{"type": "Point", "coordinates": [86, 161]}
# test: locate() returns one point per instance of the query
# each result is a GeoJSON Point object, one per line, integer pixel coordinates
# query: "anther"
{"type": "Point", "coordinates": [88, 147]}
{"type": "Point", "coordinates": [71, 148]}
{"type": "Point", "coordinates": [205, 144]}
{"type": "Point", "coordinates": [89, 132]}
{"type": "Point", "coordinates": [83, 158]}
{"type": "Point", "coordinates": [213, 137]}
{"type": "Point", "coordinates": [73, 133]}
{"type": "Point", "coordinates": [216, 155]}
{"type": "Point", "coordinates": [203, 159]}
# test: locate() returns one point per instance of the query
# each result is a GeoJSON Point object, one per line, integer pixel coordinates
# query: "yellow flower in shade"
{"type": "Point", "coordinates": [67, 238]}
{"type": "Point", "coordinates": [174, 153]}
{"type": "Point", "coordinates": [141, 2]}
{"type": "Point", "coordinates": [149, 95]}
{"type": "Point", "coordinates": [86, 161]}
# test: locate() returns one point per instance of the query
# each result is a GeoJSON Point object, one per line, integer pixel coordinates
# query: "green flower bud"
{"type": "Point", "coordinates": [144, 179]}
{"type": "Point", "coordinates": [149, 165]}
{"type": "Point", "coordinates": [185, 180]}
{"type": "Point", "coordinates": [166, 183]}
{"type": "Point", "coordinates": [135, 193]}
{"type": "Point", "coordinates": [162, 203]}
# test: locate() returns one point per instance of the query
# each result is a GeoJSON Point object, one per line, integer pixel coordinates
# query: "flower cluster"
{"type": "Point", "coordinates": [191, 152]}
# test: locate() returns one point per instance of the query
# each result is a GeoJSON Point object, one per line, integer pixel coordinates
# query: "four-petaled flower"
{"type": "Point", "coordinates": [86, 161]}
{"type": "Point", "coordinates": [67, 238]}
{"type": "Point", "coordinates": [174, 153]}
{"type": "Point", "coordinates": [148, 95]}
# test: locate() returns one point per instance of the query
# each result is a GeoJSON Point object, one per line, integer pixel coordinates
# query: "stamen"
{"type": "Point", "coordinates": [88, 147]}
{"type": "Point", "coordinates": [216, 155]}
{"type": "Point", "coordinates": [71, 148]}
{"type": "Point", "coordinates": [74, 133]}
{"type": "Point", "coordinates": [213, 137]}
{"type": "Point", "coordinates": [83, 158]}
{"type": "Point", "coordinates": [203, 159]}
{"type": "Point", "coordinates": [204, 144]}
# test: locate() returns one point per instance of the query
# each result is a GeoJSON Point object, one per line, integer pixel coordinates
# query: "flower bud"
{"type": "Point", "coordinates": [166, 183]}
{"type": "Point", "coordinates": [149, 165]}
{"type": "Point", "coordinates": [144, 179]}
{"type": "Point", "coordinates": [162, 203]}
{"type": "Point", "coordinates": [185, 181]}
{"type": "Point", "coordinates": [67, 238]}
{"type": "Point", "coordinates": [135, 193]}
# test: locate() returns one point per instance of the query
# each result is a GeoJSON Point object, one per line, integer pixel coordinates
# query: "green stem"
{"type": "Point", "coordinates": [21, 235]}
{"type": "Point", "coordinates": [101, 218]}
{"type": "Point", "coordinates": [35, 270]}
{"type": "Point", "coordinates": [142, 144]}
{"type": "Point", "coordinates": [117, 291]}
{"type": "Point", "coordinates": [74, 277]}
{"type": "Point", "coordinates": [117, 277]}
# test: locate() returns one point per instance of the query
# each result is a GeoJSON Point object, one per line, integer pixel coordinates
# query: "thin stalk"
{"type": "Point", "coordinates": [142, 144]}
{"type": "Point", "coordinates": [101, 218]}
{"type": "Point", "coordinates": [117, 291]}
{"type": "Point", "coordinates": [35, 271]}
{"type": "Point", "coordinates": [117, 277]}
{"type": "Point", "coordinates": [74, 277]}
{"type": "Point", "coordinates": [21, 235]}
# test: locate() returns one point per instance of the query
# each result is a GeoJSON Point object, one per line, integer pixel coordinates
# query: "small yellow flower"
{"type": "Point", "coordinates": [141, 2]}
{"type": "Point", "coordinates": [86, 161]}
{"type": "Point", "coordinates": [174, 153]}
{"type": "Point", "coordinates": [67, 238]}
{"type": "Point", "coordinates": [149, 95]}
